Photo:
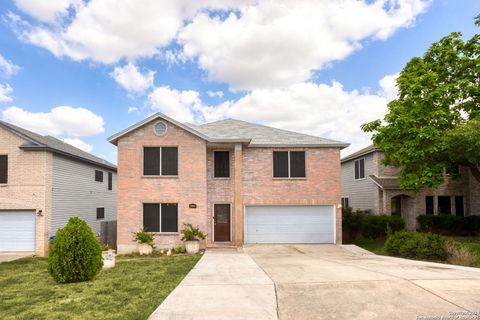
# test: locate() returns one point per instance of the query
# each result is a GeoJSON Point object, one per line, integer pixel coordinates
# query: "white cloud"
{"type": "Point", "coordinates": [63, 120]}
{"type": "Point", "coordinates": [7, 68]}
{"type": "Point", "coordinates": [46, 11]}
{"type": "Point", "coordinates": [132, 109]}
{"type": "Point", "coordinates": [5, 93]}
{"type": "Point", "coordinates": [278, 43]}
{"type": "Point", "coordinates": [131, 79]}
{"type": "Point", "coordinates": [388, 86]}
{"type": "Point", "coordinates": [179, 105]}
{"type": "Point", "coordinates": [212, 94]}
{"type": "Point", "coordinates": [80, 144]}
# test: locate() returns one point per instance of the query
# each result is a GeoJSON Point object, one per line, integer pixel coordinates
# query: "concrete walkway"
{"type": "Point", "coordinates": [10, 256]}
{"type": "Point", "coordinates": [346, 282]}
{"type": "Point", "coordinates": [223, 285]}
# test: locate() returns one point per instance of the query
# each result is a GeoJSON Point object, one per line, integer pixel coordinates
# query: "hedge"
{"type": "Point", "coordinates": [450, 225]}
{"type": "Point", "coordinates": [364, 223]}
{"type": "Point", "coordinates": [415, 245]}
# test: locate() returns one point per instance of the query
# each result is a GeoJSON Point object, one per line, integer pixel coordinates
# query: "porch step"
{"type": "Point", "coordinates": [223, 247]}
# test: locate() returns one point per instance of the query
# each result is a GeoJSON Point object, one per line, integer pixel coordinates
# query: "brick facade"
{"type": "Point", "coordinates": [251, 182]}
{"type": "Point", "coordinates": [29, 185]}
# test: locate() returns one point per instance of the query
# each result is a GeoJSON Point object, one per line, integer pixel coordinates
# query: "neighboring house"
{"type": "Point", "coordinates": [369, 185]}
{"type": "Point", "coordinates": [44, 182]}
{"type": "Point", "coordinates": [239, 182]}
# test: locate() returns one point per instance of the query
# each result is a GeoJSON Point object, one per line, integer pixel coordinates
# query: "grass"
{"type": "Point", "coordinates": [376, 246]}
{"type": "Point", "coordinates": [131, 290]}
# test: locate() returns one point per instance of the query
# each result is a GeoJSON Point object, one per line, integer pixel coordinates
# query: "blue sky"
{"type": "Point", "coordinates": [321, 68]}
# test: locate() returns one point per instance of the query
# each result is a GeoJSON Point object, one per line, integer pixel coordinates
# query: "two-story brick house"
{"type": "Point", "coordinates": [239, 182]}
{"type": "Point", "coordinates": [367, 184]}
{"type": "Point", "coordinates": [45, 181]}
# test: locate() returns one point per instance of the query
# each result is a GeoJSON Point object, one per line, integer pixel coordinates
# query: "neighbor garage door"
{"type": "Point", "coordinates": [289, 224]}
{"type": "Point", "coordinates": [17, 230]}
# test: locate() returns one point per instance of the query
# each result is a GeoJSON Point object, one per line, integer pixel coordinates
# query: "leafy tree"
{"type": "Point", "coordinates": [435, 121]}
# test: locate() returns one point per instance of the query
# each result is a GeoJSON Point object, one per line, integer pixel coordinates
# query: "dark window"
{"type": "Point", "coordinates": [151, 161]}
{"type": "Point", "coordinates": [280, 164]}
{"type": "Point", "coordinates": [169, 217]}
{"type": "Point", "coordinates": [169, 161]}
{"type": "Point", "coordinates": [345, 203]}
{"type": "Point", "coordinates": [429, 205]}
{"type": "Point", "coordinates": [297, 164]}
{"type": "Point", "coordinates": [459, 206]}
{"type": "Point", "coordinates": [221, 164]}
{"type": "Point", "coordinates": [151, 217]}
{"type": "Point", "coordinates": [98, 175]}
{"type": "Point", "coordinates": [3, 168]}
{"type": "Point", "coordinates": [110, 182]}
{"type": "Point", "coordinates": [100, 213]}
{"type": "Point", "coordinates": [453, 170]}
{"type": "Point", "coordinates": [160, 217]}
{"type": "Point", "coordinates": [359, 169]}
{"type": "Point", "coordinates": [444, 205]}
{"type": "Point", "coordinates": [289, 164]}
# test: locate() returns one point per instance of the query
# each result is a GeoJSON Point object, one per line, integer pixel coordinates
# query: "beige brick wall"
{"type": "Point", "coordinates": [133, 190]}
{"type": "Point", "coordinates": [29, 184]}
{"type": "Point", "coordinates": [320, 187]}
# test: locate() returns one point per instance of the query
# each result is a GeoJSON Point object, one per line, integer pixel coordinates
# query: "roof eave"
{"type": "Point", "coordinates": [298, 145]}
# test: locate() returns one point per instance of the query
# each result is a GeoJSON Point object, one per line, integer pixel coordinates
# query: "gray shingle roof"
{"type": "Point", "coordinates": [231, 130]}
{"type": "Point", "coordinates": [388, 183]}
{"type": "Point", "coordinates": [39, 142]}
{"type": "Point", "coordinates": [360, 153]}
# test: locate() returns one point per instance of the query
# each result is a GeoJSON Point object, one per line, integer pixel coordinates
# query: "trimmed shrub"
{"type": "Point", "coordinates": [352, 222]}
{"type": "Point", "coordinates": [410, 244]}
{"type": "Point", "coordinates": [75, 254]}
{"type": "Point", "coordinates": [376, 226]}
{"type": "Point", "coordinates": [450, 225]}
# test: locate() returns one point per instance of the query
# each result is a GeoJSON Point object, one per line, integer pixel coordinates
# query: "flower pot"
{"type": "Point", "coordinates": [145, 249]}
{"type": "Point", "coordinates": [192, 246]}
{"type": "Point", "coordinates": [108, 259]}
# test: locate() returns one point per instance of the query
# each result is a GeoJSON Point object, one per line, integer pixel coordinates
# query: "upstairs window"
{"type": "Point", "coordinates": [100, 213]}
{"type": "Point", "coordinates": [160, 217]}
{"type": "Point", "coordinates": [98, 176]}
{"type": "Point", "coordinates": [359, 169]}
{"type": "Point", "coordinates": [221, 164]}
{"type": "Point", "coordinates": [3, 169]}
{"type": "Point", "coordinates": [289, 164]}
{"type": "Point", "coordinates": [160, 161]}
{"type": "Point", "coordinates": [110, 181]}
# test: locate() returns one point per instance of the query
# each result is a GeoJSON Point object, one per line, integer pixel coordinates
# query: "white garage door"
{"type": "Point", "coordinates": [17, 230]}
{"type": "Point", "coordinates": [289, 224]}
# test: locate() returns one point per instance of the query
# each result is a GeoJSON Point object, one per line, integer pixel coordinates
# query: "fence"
{"type": "Point", "coordinates": [108, 233]}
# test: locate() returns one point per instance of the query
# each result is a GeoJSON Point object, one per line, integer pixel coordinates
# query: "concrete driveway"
{"type": "Point", "coordinates": [346, 282]}
{"type": "Point", "coordinates": [10, 256]}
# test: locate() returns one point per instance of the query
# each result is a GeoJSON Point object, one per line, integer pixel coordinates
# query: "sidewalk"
{"type": "Point", "coordinates": [223, 285]}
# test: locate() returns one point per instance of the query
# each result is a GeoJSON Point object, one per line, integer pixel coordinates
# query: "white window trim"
{"type": "Point", "coordinates": [288, 165]}
{"type": "Point", "coordinates": [160, 163]}
{"type": "Point", "coordinates": [364, 173]}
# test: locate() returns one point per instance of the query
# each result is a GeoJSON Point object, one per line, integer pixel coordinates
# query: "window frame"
{"type": "Point", "coordinates": [160, 217]}
{"type": "Point", "coordinates": [229, 163]}
{"type": "Point", "coordinates": [160, 162]}
{"type": "Point", "coordinates": [96, 171]}
{"type": "Point", "coordinates": [289, 177]}
{"type": "Point", "coordinates": [355, 169]}
{"type": "Point", "coordinates": [345, 200]}
{"type": "Point", "coordinates": [109, 180]}
{"type": "Point", "coordinates": [103, 218]}
{"type": "Point", "coordinates": [6, 176]}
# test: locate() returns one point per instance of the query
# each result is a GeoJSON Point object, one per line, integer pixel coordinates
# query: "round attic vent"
{"type": "Point", "coordinates": [160, 128]}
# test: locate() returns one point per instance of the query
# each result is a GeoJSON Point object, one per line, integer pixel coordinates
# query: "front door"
{"type": "Point", "coordinates": [221, 221]}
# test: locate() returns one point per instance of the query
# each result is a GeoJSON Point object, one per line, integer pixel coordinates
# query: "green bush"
{"type": "Point", "coordinates": [450, 225]}
{"type": "Point", "coordinates": [143, 236]}
{"type": "Point", "coordinates": [352, 222]}
{"type": "Point", "coordinates": [180, 248]}
{"type": "Point", "coordinates": [376, 226]}
{"type": "Point", "coordinates": [75, 254]}
{"type": "Point", "coordinates": [415, 245]}
{"type": "Point", "coordinates": [191, 233]}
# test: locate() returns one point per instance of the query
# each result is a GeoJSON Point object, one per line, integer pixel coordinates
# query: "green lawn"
{"type": "Point", "coordinates": [131, 290]}
{"type": "Point", "coordinates": [376, 246]}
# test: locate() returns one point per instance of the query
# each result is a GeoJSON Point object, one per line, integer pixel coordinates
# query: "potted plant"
{"type": "Point", "coordinates": [108, 256]}
{"type": "Point", "coordinates": [192, 236]}
{"type": "Point", "coordinates": [145, 241]}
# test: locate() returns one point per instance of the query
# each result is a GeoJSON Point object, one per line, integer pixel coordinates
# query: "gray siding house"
{"type": "Point", "coordinates": [369, 185]}
{"type": "Point", "coordinates": [44, 182]}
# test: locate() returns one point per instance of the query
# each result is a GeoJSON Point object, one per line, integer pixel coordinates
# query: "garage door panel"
{"type": "Point", "coordinates": [17, 231]}
{"type": "Point", "coordinates": [289, 224]}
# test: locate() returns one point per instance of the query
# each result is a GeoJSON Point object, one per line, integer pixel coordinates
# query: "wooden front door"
{"type": "Point", "coordinates": [221, 222]}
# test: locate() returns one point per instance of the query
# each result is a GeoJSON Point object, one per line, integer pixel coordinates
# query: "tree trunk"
{"type": "Point", "coordinates": [475, 172]}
